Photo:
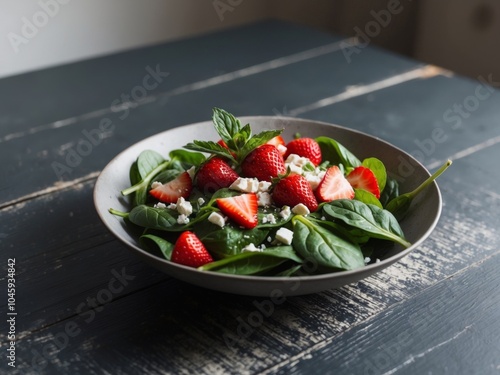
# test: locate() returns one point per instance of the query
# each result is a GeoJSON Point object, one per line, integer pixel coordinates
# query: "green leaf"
{"type": "Point", "coordinates": [144, 183]}
{"type": "Point", "coordinates": [271, 218]}
{"type": "Point", "coordinates": [134, 174]}
{"type": "Point", "coordinates": [150, 241]}
{"type": "Point", "coordinates": [253, 263]}
{"type": "Point", "coordinates": [335, 153]}
{"type": "Point", "coordinates": [378, 169]}
{"type": "Point", "coordinates": [186, 157]}
{"type": "Point", "coordinates": [390, 191]}
{"type": "Point", "coordinates": [323, 248]}
{"type": "Point", "coordinates": [226, 125]}
{"type": "Point", "coordinates": [153, 218]}
{"type": "Point", "coordinates": [209, 147]}
{"type": "Point", "coordinates": [366, 197]}
{"type": "Point", "coordinates": [258, 140]}
{"type": "Point", "coordinates": [229, 241]}
{"type": "Point", "coordinates": [399, 206]}
{"type": "Point", "coordinates": [147, 161]}
{"type": "Point", "coordinates": [369, 218]}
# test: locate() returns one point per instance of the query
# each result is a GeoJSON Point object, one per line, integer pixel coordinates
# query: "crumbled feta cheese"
{"type": "Point", "coordinates": [172, 206]}
{"type": "Point", "coordinates": [284, 235]}
{"type": "Point", "coordinates": [264, 186]}
{"type": "Point", "coordinates": [269, 239]}
{"type": "Point", "coordinates": [201, 201]}
{"type": "Point", "coordinates": [323, 218]}
{"type": "Point", "coordinates": [269, 218]}
{"type": "Point", "coordinates": [182, 219]}
{"type": "Point", "coordinates": [245, 185]}
{"type": "Point", "coordinates": [264, 199]}
{"type": "Point", "coordinates": [313, 180]}
{"type": "Point", "coordinates": [285, 212]}
{"type": "Point", "coordinates": [190, 172]}
{"type": "Point", "coordinates": [301, 209]}
{"type": "Point", "coordinates": [294, 168]}
{"type": "Point", "coordinates": [156, 184]}
{"type": "Point", "coordinates": [282, 149]}
{"type": "Point", "coordinates": [367, 260]}
{"type": "Point", "coordinates": [184, 207]}
{"type": "Point", "coordinates": [377, 260]}
{"type": "Point", "coordinates": [160, 205]}
{"type": "Point", "coordinates": [217, 219]}
{"type": "Point", "coordinates": [250, 248]}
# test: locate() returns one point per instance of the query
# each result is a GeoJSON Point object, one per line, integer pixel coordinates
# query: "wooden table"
{"type": "Point", "coordinates": [86, 305]}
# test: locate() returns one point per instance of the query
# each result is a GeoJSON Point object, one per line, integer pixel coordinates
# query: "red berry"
{"type": "Point", "coordinates": [190, 251]}
{"type": "Point", "coordinates": [363, 178]}
{"type": "Point", "coordinates": [279, 143]}
{"type": "Point", "coordinates": [242, 209]}
{"type": "Point", "coordinates": [263, 163]}
{"type": "Point", "coordinates": [334, 186]}
{"type": "Point", "coordinates": [292, 190]}
{"type": "Point", "coordinates": [169, 192]}
{"type": "Point", "coordinates": [305, 147]}
{"type": "Point", "coordinates": [214, 175]}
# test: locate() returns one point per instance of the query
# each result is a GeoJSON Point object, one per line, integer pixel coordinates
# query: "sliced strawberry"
{"type": "Point", "coordinates": [190, 251]}
{"type": "Point", "coordinates": [171, 191]}
{"type": "Point", "coordinates": [334, 186]}
{"type": "Point", "coordinates": [214, 175]}
{"type": "Point", "coordinates": [279, 143]}
{"type": "Point", "coordinates": [363, 178]}
{"type": "Point", "coordinates": [242, 209]}
{"type": "Point", "coordinates": [305, 147]}
{"type": "Point", "coordinates": [292, 190]}
{"type": "Point", "coordinates": [263, 163]}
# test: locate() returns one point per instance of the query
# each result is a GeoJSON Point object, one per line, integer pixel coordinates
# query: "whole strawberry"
{"type": "Point", "coordinates": [305, 147]}
{"type": "Point", "coordinates": [214, 175]}
{"type": "Point", "coordinates": [190, 251]}
{"type": "Point", "coordinates": [292, 190]}
{"type": "Point", "coordinates": [264, 163]}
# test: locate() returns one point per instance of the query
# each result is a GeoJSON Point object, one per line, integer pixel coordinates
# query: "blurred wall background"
{"type": "Point", "coordinates": [461, 35]}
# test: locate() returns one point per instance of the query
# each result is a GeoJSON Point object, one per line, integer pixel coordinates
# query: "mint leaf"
{"type": "Point", "coordinates": [226, 125]}
{"type": "Point", "coordinates": [258, 140]}
{"type": "Point", "coordinates": [209, 147]}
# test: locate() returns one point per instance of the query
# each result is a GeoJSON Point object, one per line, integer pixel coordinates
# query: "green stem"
{"type": "Point", "coordinates": [146, 180]}
{"type": "Point", "coordinates": [118, 213]}
{"type": "Point", "coordinates": [435, 175]}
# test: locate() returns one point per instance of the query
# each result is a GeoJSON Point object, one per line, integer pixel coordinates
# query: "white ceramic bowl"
{"type": "Point", "coordinates": [417, 225]}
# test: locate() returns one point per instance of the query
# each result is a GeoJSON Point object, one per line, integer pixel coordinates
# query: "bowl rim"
{"type": "Point", "coordinates": [266, 279]}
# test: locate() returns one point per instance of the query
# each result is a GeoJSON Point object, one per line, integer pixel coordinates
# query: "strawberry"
{"type": "Point", "coordinates": [214, 175]}
{"type": "Point", "coordinates": [364, 178]}
{"type": "Point", "coordinates": [242, 209]}
{"type": "Point", "coordinates": [305, 147]}
{"type": "Point", "coordinates": [171, 191]}
{"type": "Point", "coordinates": [334, 186]}
{"type": "Point", "coordinates": [292, 190]}
{"type": "Point", "coordinates": [190, 251]}
{"type": "Point", "coordinates": [279, 143]}
{"type": "Point", "coordinates": [263, 163]}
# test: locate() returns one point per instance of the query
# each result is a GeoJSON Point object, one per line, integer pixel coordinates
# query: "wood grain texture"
{"type": "Point", "coordinates": [87, 306]}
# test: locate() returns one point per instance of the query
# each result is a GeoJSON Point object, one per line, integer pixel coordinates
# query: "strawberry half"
{"type": "Point", "coordinates": [334, 186]}
{"type": "Point", "coordinates": [190, 251]}
{"type": "Point", "coordinates": [215, 174]}
{"type": "Point", "coordinates": [305, 147]}
{"type": "Point", "coordinates": [264, 163]}
{"type": "Point", "coordinates": [363, 178]}
{"type": "Point", "coordinates": [292, 190]}
{"type": "Point", "coordinates": [169, 192]}
{"type": "Point", "coordinates": [242, 209]}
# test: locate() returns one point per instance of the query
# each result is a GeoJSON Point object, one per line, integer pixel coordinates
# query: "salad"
{"type": "Point", "coordinates": [253, 204]}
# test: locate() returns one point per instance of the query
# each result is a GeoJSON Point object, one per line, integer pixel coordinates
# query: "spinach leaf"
{"type": "Point", "coordinates": [399, 206]}
{"type": "Point", "coordinates": [147, 161]}
{"type": "Point", "coordinates": [320, 246]}
{"type": "Point", "coordinates": [378, 169]}
{"type": "Point", "coordinates": [335, 153]}
{"type": "Point", "coordinates": [369, 218]}
{"type": "Point", "coordinates": [229, 241]}
{"type": "Point", "coordinates": [290, 271]}
{"type": "Point", "coordinates": [146, 181]}
{"type": "Point", "coordinates": [166, 175]}
{"type": "Point", "coordinates": [134, 174]}
{"type": "Point", "coordinates": [150, 241]}
{"type": "Point", "coordinates": [253, 263]}
{"type": "Point", "coordinates": [366, 197]}
{"type": "Point", "coordinates": [188, 159]}
{"type": "Point", "coordinates": [153, 218]}
{"type": "Point", "coordinates": [271, 218]}
{"type": "Point", "coordinates": [390, 191]}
